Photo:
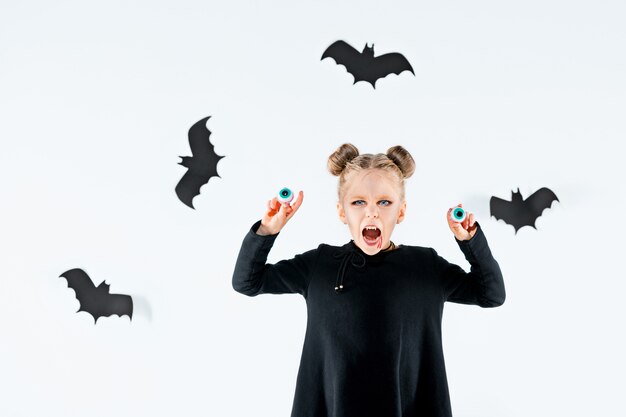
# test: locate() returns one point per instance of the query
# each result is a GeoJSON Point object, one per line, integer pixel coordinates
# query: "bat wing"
{"type": "Point", "coordinates": [538, 201]}
{"type": "Point", "coordinates": [203, 164]}
{"type": "Point", "coordinates": [508, 211]}
{"type": "Point", "coordinates": [199, 136]}
{"type": "Point", "coordinates": [96, 300]}
{"type": "Point", "coordinates": [354, 61]}
{"type": "Point", "coordinates": [119, 304]}
{"type": "Point", "coordinates": [79, 281]}
{"type": "Point", "coordinates": [499, 208]}
{"type": "Point", "coordinates": [189, 186]}
{"type": "Point", "coordinates": [393, 63]}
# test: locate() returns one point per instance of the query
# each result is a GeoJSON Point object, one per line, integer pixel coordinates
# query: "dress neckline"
{"type": "Point", "coordinates": [380, 254]}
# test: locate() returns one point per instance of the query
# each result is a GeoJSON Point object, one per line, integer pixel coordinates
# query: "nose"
{"type": "Point", "coordinates": [372, 211]}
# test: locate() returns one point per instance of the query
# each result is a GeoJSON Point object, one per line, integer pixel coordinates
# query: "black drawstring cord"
{"type": "Point", "coordinates": [340, 272]}
{"type": "Point", "coordinates": [347, 257]}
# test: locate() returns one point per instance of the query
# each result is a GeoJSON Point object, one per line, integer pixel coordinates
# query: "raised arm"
{"type": "Point", "coordinates": [254, 276]}
{"type": "Point", "coordinates": [483, 285]}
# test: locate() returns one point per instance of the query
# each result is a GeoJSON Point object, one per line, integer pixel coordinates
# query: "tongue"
{"type": "Point", "coordinates": [371, 234]}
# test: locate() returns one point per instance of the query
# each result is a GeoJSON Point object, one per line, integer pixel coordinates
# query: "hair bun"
{"type": "Point", "coordinates": [339, 159]}
{"type": "Point", "coordinates": [403, 159]}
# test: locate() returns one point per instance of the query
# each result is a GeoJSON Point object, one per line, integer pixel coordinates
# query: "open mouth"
{"type": "Point", "coordinates": [372, 236]}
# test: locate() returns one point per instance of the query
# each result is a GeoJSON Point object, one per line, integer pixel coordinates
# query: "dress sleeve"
{"type": "Point", "coordinates": [483, 285]}
{"type": "Point", "coordinates": [254, 276]}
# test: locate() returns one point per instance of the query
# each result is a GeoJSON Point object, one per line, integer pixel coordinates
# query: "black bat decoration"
{"type": "Point", "coordinates": [519, 212]}
{"type": "Point", "coordinates": [363, 65]}
{"type": "Point", "coordinates": [201, 166]}
{"type": "Point", "coordinates": [96, 300]}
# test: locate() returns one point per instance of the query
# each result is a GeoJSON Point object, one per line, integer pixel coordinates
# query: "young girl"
{"type": "Point", "coordinates": [372, 346]}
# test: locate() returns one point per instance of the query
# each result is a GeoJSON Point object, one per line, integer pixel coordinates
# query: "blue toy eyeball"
{"type": "Point", "coordinates": [458, 214]}
{"type": "Point", "coordinates": [285, 195]}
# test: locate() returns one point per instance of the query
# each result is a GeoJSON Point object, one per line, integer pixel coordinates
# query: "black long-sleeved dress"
{"type": "Point", "coordinates": [372, 346]}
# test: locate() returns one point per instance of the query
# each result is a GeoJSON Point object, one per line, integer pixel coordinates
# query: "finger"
{"type": "Point", "coordinates": [296, 204]}
{"type": "Point", "coordinates": [290, 209]}
{"type": "Point", "coordinates": [273, 206]}
{"type": "Point", "coordinates": [285, 211]}
{"type": "Point", "coordinates": [449, 216]}
{"type": "Point", "coordinates": [468, 219]}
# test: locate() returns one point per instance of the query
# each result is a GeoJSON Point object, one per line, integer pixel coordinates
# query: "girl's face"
{"type": "Point", "coordinates": [371, 208]}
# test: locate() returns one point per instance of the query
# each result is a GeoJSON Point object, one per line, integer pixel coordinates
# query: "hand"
{"type": "Point", "coordinates": [464, 230]}
{"type": "Point", "coordinates": [277, 215]}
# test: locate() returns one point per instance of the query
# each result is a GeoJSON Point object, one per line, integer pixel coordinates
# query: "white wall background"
{"type": "Point", "coordinates": [96, 99]}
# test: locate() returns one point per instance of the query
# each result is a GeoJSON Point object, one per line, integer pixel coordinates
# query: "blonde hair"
{"type": "Point", "coordinates": [346, 159]}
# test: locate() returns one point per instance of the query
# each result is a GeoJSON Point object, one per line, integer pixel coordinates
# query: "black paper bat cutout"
{"type": "Point", "coordinates": [519, 212]}
{"type": "Point", "coordinates": [201, 166]}
{"type": "Point", "coordinates": [96, 300]}
{"type": "Point", "coordinates": [363, 65]}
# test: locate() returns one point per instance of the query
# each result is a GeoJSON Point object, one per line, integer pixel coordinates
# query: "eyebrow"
{"type": "Point", "coordinates": [358, 197]}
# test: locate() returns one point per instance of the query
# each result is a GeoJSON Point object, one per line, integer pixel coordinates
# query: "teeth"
{"type": "Point", "coordinates": [371, 227]}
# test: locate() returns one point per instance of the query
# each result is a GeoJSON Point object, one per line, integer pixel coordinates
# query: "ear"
{"type": "Point", "coordinates": [402, 212]}
{"type": "Point", "coordinates": [341, 212]}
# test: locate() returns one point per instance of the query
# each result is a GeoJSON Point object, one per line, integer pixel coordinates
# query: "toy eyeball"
{"type": "Point", "coordinates": [458, 214]}
{"type": "Point", "coordinates": [285, 195]}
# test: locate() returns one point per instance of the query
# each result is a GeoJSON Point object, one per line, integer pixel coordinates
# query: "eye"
{"type": "Point", "coordinates": [358, 203]}
{"type": "Point", "coordinates": [384, 202]}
